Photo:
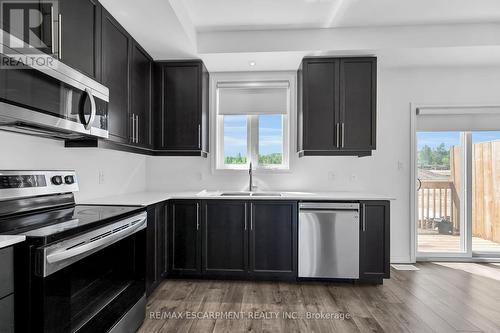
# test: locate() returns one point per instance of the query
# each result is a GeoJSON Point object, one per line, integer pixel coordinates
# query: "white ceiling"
{"type": "Point", "coordinates": [174, 29]}
{"type": "Point", "coordinates": [217, 15]}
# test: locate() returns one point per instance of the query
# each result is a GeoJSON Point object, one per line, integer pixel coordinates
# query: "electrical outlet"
{"type": "Point", "coordinates": [101, 177]}
{"type": "Point", "coordinates": [331, 175]}
{"type": "Point", "coordinates": [354, 178]}
{"type": "Point", "coordinates": [400, 165]}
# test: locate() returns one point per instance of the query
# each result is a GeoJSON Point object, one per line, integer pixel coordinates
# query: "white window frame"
{"type": "Point", "coordinates": [217, 142]}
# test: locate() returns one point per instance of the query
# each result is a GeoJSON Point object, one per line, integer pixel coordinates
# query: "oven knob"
{"type": "Point", "coordinates": [57, 180]}
{"type": "Point", "coordinates": [69, 180]}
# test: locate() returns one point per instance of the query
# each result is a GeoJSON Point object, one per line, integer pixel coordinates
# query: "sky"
{"type": "Point", "coordinates": [434, 139]}
{"type": "Point", "coordinates": [235, 135]}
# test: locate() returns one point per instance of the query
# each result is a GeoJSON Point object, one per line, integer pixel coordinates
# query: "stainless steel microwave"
{"type": "Point", "coordinates": [40, 95]}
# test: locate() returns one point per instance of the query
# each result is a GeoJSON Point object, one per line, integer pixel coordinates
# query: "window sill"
{"type": "Point", "coordinates": [258, 171]}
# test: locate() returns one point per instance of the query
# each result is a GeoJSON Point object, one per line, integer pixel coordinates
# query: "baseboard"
{"type": "Point", "coordinates": [401, 260]}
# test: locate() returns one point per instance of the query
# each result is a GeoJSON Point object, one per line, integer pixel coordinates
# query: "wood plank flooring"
{"type": "Point", "coordinates": [440, 297]}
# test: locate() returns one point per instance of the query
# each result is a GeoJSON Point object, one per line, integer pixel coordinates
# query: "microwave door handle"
{"type": "Point", "coordinates": [68, 255]}
{"type": "Point", "coordinates": [88, 126]}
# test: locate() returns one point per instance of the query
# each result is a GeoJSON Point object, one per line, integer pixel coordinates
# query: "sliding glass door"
{"type": "Point", "coordinates": [440, 168]}
{"type": "Point", "coordinates": [486, 193]}
{"type": "Point", "coordinates": [457, 201]}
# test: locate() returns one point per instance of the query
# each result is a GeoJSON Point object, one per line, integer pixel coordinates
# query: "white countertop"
{"type": "Point", "coordinates": [8, 240]}
{"type": "Point", "coordinates": [150, 198]}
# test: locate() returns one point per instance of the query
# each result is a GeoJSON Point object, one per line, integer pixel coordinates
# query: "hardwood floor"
{"type": "Point", "coordinates": [440, 297]}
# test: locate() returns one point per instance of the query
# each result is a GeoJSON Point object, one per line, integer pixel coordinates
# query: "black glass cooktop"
{"type": "Point", "coordinates": [52, 225]}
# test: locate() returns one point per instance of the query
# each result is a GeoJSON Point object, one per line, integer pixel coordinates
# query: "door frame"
{"type": "Point", "coordinates": [467, 181]}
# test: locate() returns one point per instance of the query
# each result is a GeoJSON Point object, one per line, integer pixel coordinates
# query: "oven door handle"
{"type": "Point", "coordinates": [65, 257]}
{"type": "Point", "coordinates": [95, 245]}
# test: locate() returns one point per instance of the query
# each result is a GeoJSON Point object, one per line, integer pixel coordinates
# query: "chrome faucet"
{"type": "Point", "coordinates": [250, 185]}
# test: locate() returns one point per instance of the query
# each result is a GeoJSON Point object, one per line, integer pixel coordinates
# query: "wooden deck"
{"type": "Point", "coordinates": [451, 243]}
{"type": "Point", "coordinates": [438, 298]}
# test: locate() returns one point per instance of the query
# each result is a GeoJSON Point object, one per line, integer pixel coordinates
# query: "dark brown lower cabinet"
{"type": "Point", "coordinates": [156, 248]}
{"type": "Point", "coordinates": [374, 242]}
{"type": "Point", "coordinates": [225, 238]}
{"type": "Point", "coordinates": [184, 230]}
{"type": "Point", "coordinates": [273, 239]}
{"type": "Point", "coordinates": [240, 239]}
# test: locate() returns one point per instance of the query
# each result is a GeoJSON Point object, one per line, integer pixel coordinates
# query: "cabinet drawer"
{"type": "Point", "coordinates": [7, 272]}
{"type": "Point", "coordinates": [7, 314]}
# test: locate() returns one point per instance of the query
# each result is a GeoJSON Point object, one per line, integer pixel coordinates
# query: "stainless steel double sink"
{"type": "Point", "coordinates": [251, 194]}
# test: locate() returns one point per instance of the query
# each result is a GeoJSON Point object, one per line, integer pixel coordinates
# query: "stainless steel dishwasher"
{"type": "Point", "coordinates": [329, 240]}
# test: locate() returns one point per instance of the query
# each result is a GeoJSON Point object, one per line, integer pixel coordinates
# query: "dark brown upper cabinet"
{"type": "Point", "coordinates": [337, 106]}
{"type": "Point", "coordinates": [79, 43]}
{"type": "Point", "coordinates": [181, 106]}
{"type": "Point", "coordinates": [116, 46]}
{"type": "Point", "coordinates": [140, 94]}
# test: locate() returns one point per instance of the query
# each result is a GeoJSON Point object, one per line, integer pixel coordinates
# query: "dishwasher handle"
{"type": "Point", "coordinates": [329, 206]}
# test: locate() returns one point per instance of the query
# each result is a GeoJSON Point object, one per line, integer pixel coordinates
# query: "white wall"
{"type": "Point", "coordinates": [386, 172]}
{"type": "Point", "coordinates": [122, 172]}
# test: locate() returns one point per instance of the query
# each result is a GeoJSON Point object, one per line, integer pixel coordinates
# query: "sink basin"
{"type": "Point", "coordinates": [266, 194]}
{"type": "Point", "coordinates": [250, 194]}
{"type": "Point", "coordinates": [235, 194]}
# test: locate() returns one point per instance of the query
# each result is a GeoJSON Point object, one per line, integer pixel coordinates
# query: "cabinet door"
{"type": "Point", "coordinates": [225, 245]}
{"type": "Point", "coordinates": [185, 238]}
{"type": "Point", "coordinates": [151, 253]}
{"type": "Point", "coordinates": [182, 113]}
{"type": "Point", "coordinates": [140, 91]}
{"type": "Point", "coordinates": [320, 104]}
{"type": "Point", "coordinates": [7, 314]}
{"type": "Point", "coordinates": [273, 239]}
{"type": "Point", "coordinates": [79, 43]}
{"type": "Point", "coordinates": [358, 103]}
{"type": "Point", "coordinates": [374, 241]}
{"type": "Point", "coordinates": [156, 246]}
{"type": "Point", "coordinates": [115, 76]}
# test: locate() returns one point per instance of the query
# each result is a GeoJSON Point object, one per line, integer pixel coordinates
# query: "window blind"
{"type": "Point", "coordinates": [485, 118]}
{"type": "Point", "coordinates": [253, 98]}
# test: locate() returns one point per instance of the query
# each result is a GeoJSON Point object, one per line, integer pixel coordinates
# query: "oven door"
{"type": "Point", "coordinates": [88, 283]}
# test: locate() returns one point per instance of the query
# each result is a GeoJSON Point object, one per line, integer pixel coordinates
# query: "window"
{"type": "Point", "coordinates": [252, 125]}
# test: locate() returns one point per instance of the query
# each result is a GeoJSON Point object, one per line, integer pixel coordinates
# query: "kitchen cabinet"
{"type": "Point", "coordinates": [79, 43]}
{"type": "Point", "coordinates": [116, 45]}
{"type": "Point", "coordinates": [7, 289]}
{"type": "Point", "coordinates": [181, 97]}
{"type": "Point", "coordinates": [337, 106]}
{"type": "Point", "coordinates": [156, 246]}
{"type": "Point", "coordinates": [246, 239]}
{"type": "Point", "coordinates": [7, 314]}
{"type": "Point", "coordinates": [140, 93]}
{"type": "Point", "coordinates": [374, 241]}
{"type": "Point", "coordinates": [184, 230]}
{"type": "Point", "coordinates": [225, 238]}
{"type": "Point", "coordinates": [273, 239]}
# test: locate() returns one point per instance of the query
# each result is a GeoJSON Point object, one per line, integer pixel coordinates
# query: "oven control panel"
{"type": "Point", "coordinates": [17, 184]}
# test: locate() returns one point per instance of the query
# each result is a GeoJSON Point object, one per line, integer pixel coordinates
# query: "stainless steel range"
{"type": "Point", "coordinates": [82, 267]}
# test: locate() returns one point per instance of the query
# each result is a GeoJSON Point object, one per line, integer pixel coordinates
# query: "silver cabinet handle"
{"type": "Point", "coordinates": [343, 135]}
{"type": "Point", "coordinates": [364, 218]}
{"type": "Point", "coordinates": [199, 136]}
{"type": "Point", "coordinates": [52, 34]}
{"type": "Point", "coordinates": [60, 36]}
{"type": "Point", "coordinates": [132, 139]}
{"type": "Point", "coordinates": [251, 216]}
{"type": "Point", "coordinates": [197, 216]}
{"type": "Point", "coordinates": [338, 135]}
{"type": "Point", "coordinates": [136, 129]}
